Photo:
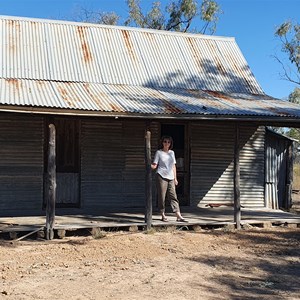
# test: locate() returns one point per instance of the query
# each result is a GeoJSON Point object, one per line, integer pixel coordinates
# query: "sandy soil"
{"type": "Point", "coordinates": [220, 264]}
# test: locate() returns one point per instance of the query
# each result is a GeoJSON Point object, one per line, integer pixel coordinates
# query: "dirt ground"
{"type": "Point", "coordinates": [256, 263]}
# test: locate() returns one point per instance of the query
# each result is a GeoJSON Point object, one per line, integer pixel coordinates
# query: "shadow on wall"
{"type": "Point", "coordinates": [212, 163]}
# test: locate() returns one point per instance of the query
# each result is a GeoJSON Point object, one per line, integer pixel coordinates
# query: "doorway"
{"type": "Point", "coordinates": [67, 161]}
{"type": "Point", "coordinates": [180, 147]}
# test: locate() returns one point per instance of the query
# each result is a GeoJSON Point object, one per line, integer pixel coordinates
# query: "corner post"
{"type": "Point", "coordinates": [289, 176]}
{"type": "Point", "coordinates": [237, 193]}
{"type": "Point", "coordinates": [148, 178]}
{"type": "Point", "coordinates": [51, 180]}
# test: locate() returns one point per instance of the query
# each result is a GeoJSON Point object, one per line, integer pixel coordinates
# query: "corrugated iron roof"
{"type": "Point", "coordinates": [139, 100]}
{"type": "Point", "coordinates": [79, 52]}
{"type": "Point", "coordinates": [98, 68]}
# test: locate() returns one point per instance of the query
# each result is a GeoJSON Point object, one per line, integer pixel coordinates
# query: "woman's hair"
{"type": "Point", "coordinates": [166, 137]}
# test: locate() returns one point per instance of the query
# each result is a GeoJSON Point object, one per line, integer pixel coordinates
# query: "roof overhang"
{"type": "Point", "coordinates": [270, 121]}
{"type": "Point", "coordinates": [96, 99]}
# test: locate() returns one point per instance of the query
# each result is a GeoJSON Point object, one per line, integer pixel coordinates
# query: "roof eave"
{"type": "Point", "coordinates": [191, 117]}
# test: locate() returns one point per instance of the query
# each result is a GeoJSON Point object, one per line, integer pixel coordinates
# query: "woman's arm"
{"type": "Point", "coordinates": [175, 175]}
{"type": "Point", "coordinates": [155, 161]}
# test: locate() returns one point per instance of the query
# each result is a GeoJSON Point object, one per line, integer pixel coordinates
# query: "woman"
{"type": "Point", "coordinates": [166, 177]}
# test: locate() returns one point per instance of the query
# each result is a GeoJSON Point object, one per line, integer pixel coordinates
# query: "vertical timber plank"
{"type": "Point", "coordinates": [51, 184]}
{"type": "Point", "coordinates": [237, 192]}
{"type": "Point", "coordinates": [148, 179]}
{"type": "Point", "coordinates": [289, 176]}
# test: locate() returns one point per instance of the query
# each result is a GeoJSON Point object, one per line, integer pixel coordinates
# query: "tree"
{"type": "Point", "coordinates": [289, 35]}
{"type": "Point", "coordinates": [294, 97]}
{"type": "Point", "coordinates": [97, 17]}
{"type": "Point", "coordinates": [176, 16]}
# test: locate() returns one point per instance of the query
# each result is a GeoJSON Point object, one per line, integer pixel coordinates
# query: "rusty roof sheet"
{"type": "Point", "coordinates": [137, 100]}
{"type": "Point", "coordinates": [122, 70]}
{"type": "Point", "coordinates": [79, 52]}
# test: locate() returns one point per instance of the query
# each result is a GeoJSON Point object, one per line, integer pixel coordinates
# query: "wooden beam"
{"type": "Point", "coordinates": [289, 176]}
{"type": "Point", "coordinates": [237, 193]}
{"type": "Point", "coordinates": [51, 184]}
{"type": "Point", "coordinates": [148, 179]}
{"type": "Point", "coordinates": [30, 233]}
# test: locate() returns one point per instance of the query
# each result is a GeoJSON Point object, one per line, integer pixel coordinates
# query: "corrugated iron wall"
{"type": "Point", "coordinates": [212, 154]}
{"type": "Point", "coordinates": [113, 166]}
{"type": "Point", "coordinates": [21, 164]}
{"type": "Point", "coordinates": [252, 168]}
{"type": "Point", "coordinates": [102, 162]}
{"type": "Point", "coordinates": [276, 170]}
{"type": "Point", "coordinates": [112, 163]}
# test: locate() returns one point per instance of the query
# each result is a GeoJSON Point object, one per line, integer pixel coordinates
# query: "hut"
{"type": "Point", "coordinates": [103, 87]}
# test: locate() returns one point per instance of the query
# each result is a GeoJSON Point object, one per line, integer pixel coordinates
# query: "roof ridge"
{"type": "Point", "coordinates": [116, 27]}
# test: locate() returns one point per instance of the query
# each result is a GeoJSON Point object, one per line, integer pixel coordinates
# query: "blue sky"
{"type": "Point", "coordinates": [251, 22]}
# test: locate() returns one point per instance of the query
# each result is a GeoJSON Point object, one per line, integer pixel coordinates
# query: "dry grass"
{"type": "Point", "coordinates": [98, 233]}
{"type": "Point", "coordinates": [296, 180]}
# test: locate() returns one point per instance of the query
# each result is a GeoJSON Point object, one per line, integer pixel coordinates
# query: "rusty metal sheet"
{"type": "Point", "coordinates": [79, 52]}
{"type": "Point", "coordinates": [91, 67]}
{"type": "Point", "coordinates": [139, 100]}
{"type": "Point", "coordinates": [212, 165]}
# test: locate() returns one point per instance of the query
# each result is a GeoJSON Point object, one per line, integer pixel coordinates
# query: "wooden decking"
{"type": "Point", "coordinates": [197, 217]}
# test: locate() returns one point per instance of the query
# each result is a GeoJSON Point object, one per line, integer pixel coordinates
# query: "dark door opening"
{"type": "Point", "coordinates": [178, 133]}
{"type": "Point", "coordinates": [67, 161]}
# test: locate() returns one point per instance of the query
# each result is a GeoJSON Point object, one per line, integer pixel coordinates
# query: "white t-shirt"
{"type": "Point", "coordinates": [165, 162]}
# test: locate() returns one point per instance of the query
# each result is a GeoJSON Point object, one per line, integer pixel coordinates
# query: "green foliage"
{"type": "Point", "coordinates": [289, 34]}
{"type": "Point", "coordinates": [181, 14]}
{"type": "Point", "coordinates": [98, 17]}
{"type": "Point", "coordinates": [294, 133]}
{"type": "Point", "coordinates": [110, 18]}
{"type": "Point", "coordinates": [175, 16]}
{"type": "Point", "coordinates": [152, 19]}
{"type": "Point", "coordinates": [283, 29]}
{"type": "Point", "coordinates": [210, 11]}
{"type": "Point", "coordinates": [290, 37]}
{"type": "Point", "coordinates": [294, 97]}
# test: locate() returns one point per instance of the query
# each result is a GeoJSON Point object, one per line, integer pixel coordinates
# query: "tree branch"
{"type": "Point", "coordinates": [286, 76]}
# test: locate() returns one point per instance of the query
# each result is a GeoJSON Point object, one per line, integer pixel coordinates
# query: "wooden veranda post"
{"type": "Point", "coordinates": [289, 176]}
{"type": "Point", "coordinates": [51, 184]}
{"type": "Point", "coordinates": [237, 193]}
{"type": "Point", "coordinates": [148, 179]}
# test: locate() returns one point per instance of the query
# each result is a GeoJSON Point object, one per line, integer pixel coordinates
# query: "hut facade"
{"type": "Point", "coordinates": [103, 87]}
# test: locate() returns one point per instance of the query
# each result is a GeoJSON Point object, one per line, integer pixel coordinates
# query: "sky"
{"type": "Point", "coordinates": [251, 22]}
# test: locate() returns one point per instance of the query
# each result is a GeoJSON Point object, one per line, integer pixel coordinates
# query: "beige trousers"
{"type": "Point", "coordinates": [166, 188]}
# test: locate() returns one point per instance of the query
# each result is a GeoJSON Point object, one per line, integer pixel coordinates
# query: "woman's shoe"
{"type": "Point", "coordinates": [164, 219]}
{"type": "Point", "coordinates": [182, 220]}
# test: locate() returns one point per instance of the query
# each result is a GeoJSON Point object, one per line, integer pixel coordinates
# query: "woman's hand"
{"type": "Point", "coordinates": [153, 166]}
{"type": "Point", "coordinates": [176, 181]}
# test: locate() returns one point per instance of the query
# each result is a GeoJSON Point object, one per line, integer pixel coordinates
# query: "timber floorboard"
{"type": "Point", "coordinates": [69, 220]}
